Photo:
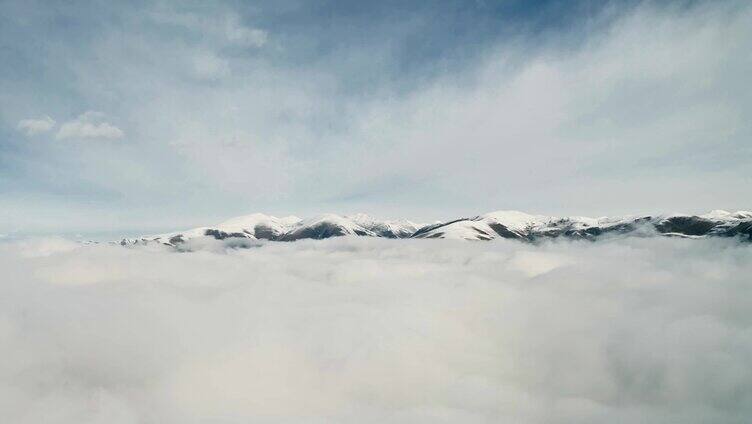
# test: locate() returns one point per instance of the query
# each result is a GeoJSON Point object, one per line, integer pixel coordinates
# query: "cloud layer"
{"type": "Point", "coordinates": [367, 330]}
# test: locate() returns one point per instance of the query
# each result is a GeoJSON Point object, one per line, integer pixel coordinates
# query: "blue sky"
{"type": "Point", "coordinates": [142, 117]}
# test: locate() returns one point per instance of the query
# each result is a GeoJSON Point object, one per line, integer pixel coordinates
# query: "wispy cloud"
{"type": "Point", "coordinates": [222, 28]}
{"type": "Point", "coordinates": [33, 127]}
{"type": "Point", "coordinates": [89, 125]}
{"type": "Point", "coordinates": [629, 109]}
{"type": "Point", "coordinates": [242, 35]}
{"type": "Point", "coordinates": [208, 66]}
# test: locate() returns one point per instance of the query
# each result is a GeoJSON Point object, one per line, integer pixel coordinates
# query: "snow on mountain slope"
{"type": "Point", "coordinates": [489, 226]}
{"type": "Point", "coordinates": [264, 227]}
{"type": "Point", "coordinates": [391, 229]}
{"type": "Point", "coordinates": [260, 226]}
{"type": "Point", "coordinates": [325, 226]}
{"type": "Point", "coordinates": [716, 223]}
{"type": "Point", "coordinates": [331, 225]}
{"type": "Point", "coordinates": [505, 224]}
{"type": "Point", "coordinates": [519, 225]}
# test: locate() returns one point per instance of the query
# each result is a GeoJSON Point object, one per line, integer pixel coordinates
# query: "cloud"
{"type": "Point", "coordinates": [89, 125]}
{"type": "Point", "coordinates": [640, 109]}
{"type": "Point", "coordinates": [476, 139]}
{"type": "Point", "coordinates": [237, 33]}
{"type": "Point", "coordinates": [219, 28]}
{"type": "Point", "coordinates": [532, 124]}
{"type": "Point", "coordinates": [208, 66]}
{"type": "Point", "coordinates": [370, 330]}
{"type": "Point", "coordinates": [36, 126]}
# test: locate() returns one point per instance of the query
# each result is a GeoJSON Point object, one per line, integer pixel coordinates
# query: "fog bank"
{"type": "Point", "coordinates": [371, 330]}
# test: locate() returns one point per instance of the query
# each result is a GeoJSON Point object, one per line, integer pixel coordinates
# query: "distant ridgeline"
{"type": "Point", "coordinates": [501, 224]}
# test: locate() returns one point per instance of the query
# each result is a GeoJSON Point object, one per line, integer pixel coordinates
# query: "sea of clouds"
{"type": "Point", "coordinates": [362, 330]}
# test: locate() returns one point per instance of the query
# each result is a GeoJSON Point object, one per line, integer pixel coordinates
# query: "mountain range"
{"type": "Point", "coordinates": [494, 225]}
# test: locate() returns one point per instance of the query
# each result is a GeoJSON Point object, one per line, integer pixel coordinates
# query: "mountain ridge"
{"type": "Point", "coordinates": [493, 225]}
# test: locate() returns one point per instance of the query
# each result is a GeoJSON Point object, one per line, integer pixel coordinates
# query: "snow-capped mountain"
{"type": "Point", "coordinates": [493, 225]}
{"type": "Point", "coordinates": [264, 227]}
{"type": "Point", "coordinates": [522, 226]}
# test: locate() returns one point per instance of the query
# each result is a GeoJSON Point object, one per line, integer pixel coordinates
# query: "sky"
{"type": "Point", "coordinates": [137, 117]}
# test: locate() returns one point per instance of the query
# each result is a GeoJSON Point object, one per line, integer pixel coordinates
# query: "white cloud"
{"type": "Point", "coordinates": [219, 28]}
{"type": "Point", "coordinates": [476, 139]}
{"type": "Point", "coordinates": [209, 66]}
{"type": "Point", "coordinates": [618, 122]}
{"type": "Point", "coordinates": [36, 126]}
{"type": "Point", "coordinates": [89, 125]}
{"type": "Point", "coordinates": [370, 330]}
{"type": "Point", "coordinates": [650, 110]}
{"type": "Point", "coordinates": [237, 33]}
